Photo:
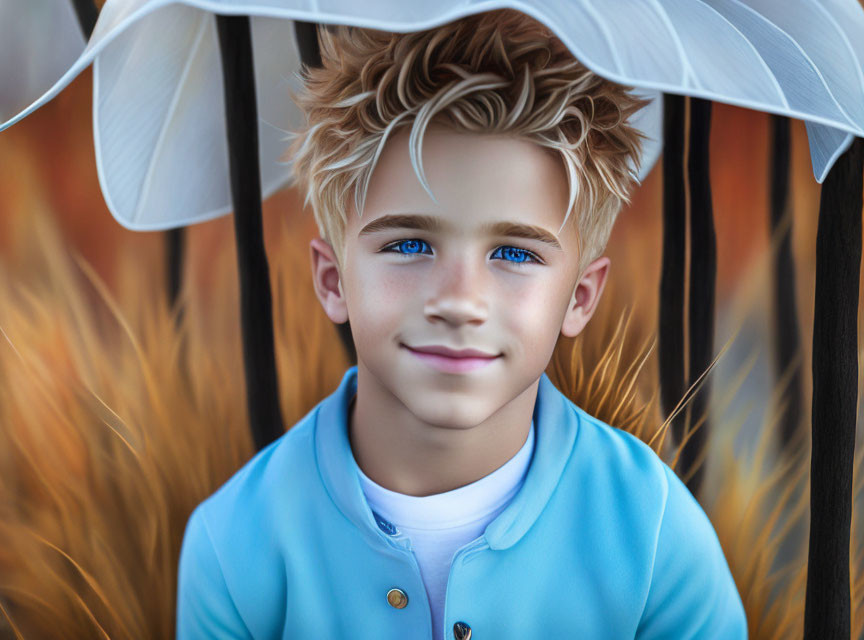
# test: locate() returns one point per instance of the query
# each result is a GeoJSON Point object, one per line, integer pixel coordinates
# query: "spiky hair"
{"type": "Point", "coordinates": [496, 72]}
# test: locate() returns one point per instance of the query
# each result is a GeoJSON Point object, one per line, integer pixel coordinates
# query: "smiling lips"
{"type": "Point", "coordinates": [452, 361]}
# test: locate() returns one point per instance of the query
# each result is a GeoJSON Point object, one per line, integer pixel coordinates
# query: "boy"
{"type": "Point", "coordinates": [446, 488]}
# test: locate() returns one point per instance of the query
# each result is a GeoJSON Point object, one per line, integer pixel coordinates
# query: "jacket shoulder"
{"type": "Point", "coordinates": [246, 547]}
{"type": "Point", "coordinates": [623, 457]}
{"type": "Point", "coordinates": [261, 480]}
{"type": "Point", "coordinates": [679, 541]}
{"type": "Point", "coordinates": [621, 482]}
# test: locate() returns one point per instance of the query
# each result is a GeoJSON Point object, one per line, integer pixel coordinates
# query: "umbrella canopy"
{"type": "Point", "coordinates": [157, 87]}
{"type": "Point", "coordinates": [143, 154]}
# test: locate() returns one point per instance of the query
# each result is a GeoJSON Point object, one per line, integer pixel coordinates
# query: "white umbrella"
{"type": "Point", "coordinates": [158, 92]}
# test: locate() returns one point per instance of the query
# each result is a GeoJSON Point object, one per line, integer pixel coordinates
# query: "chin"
{"type": "Point", "coordinates": [450, 413]}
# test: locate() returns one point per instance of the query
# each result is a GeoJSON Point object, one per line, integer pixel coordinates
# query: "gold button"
{"type": "Point", "coordinates": [397, 598]}
{"type": "Point", "coordinates": [461, 631]}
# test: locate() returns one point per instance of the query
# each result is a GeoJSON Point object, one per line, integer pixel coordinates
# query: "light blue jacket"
{"type": "Point", "coordinates": [602, 541]}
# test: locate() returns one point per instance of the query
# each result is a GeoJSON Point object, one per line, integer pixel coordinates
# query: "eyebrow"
{"type": "Point", "coordinates": [435, 224]}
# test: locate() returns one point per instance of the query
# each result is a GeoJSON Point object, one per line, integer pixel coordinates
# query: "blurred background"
{"type": "Point", "coordinates": [107, 442]}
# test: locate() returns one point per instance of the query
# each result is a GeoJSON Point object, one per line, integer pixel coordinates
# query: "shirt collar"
{"type": "Point", "coordinates": [555, 425]}
{"type": "Point", "coordinates": [457, 507]}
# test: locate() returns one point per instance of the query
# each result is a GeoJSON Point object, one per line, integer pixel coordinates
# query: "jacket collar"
{"type": "Point", "coordinates": [555, 425]}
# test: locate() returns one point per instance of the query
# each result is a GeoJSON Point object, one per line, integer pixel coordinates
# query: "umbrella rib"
{"type": "Point", "coordinates": [806, 56]}
{"type": "Point", "coordinates": [604, 29]}
{"type": "Point", "coordinates": [829, 16]}
{"type": "Point", "coordinates": [679, 46]}
{"type": "Point", "coordinates": [163, 130]}
{"type": "Point", "coordinates": [746, 40]}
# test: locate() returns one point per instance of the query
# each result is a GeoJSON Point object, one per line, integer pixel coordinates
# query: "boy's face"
{"type": "Point", "coordinates": [461, 285]}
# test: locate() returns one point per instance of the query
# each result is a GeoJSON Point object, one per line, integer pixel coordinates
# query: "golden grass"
{"type": "Point", "coordinates": [116, 422]}
{"type": "Point", "coordinates": [116, 419]}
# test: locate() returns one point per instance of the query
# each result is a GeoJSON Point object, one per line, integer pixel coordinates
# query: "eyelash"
{"type": "Point", "coordinates": [534, 258]}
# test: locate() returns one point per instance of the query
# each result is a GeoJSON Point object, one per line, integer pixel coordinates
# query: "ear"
{"type": "Point", "coordinates": [327, 280]}
{"type": "Point", "coordinates": [585, 297]}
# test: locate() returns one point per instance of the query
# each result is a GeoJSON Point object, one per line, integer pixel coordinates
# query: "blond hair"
{"type": "Point", "coordinates": [494, 72]}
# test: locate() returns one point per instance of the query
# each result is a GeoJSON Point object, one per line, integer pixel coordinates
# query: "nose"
{"type": "Point", "coordinates": [458, 293]}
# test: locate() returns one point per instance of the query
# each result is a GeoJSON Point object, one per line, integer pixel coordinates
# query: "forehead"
{"type": "Point", "coordinates": [479, 181]}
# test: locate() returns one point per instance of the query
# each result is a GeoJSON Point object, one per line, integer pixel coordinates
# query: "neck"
{"type": "Point", "coordinates": [405, 454]}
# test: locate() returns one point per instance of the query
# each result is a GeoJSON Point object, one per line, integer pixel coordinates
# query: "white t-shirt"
{"type": "Point", "coordinates": [440, 524]}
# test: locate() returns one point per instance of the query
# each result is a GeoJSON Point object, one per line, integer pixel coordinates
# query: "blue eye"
{"type": "Point", "coordinates": [519, 256]}
{"type": "Point", "coordinates": [514, 255]}
{"type": "Point", "coordinates": [411, 247]}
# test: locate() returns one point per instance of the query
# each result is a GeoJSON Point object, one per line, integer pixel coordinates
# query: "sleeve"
{"type": "Point", "coordinates": [692, 594]}
{"type": "Point", "coordinates": [204, 606]}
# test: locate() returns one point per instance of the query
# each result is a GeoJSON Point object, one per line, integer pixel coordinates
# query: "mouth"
{"type": "Point", "coordinates": [452, 364]}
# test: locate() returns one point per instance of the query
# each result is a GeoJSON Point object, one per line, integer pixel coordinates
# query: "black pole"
{"type": "Point", "coordinates": [87, 13]}
{"type": "Point", "coordinates": [835, 394]}
{"type": "Point", "coordinates": [671, 320]}
{"type": "Point", "coordinates": [787, 335]}
{"type": "Point", "coordinates": [703, 280]}
{"type": "Point", "coordinates": [256, 307]}
{"type": "Point", "coordinates": [306, 34]}
{"type": "Point", "coordinates": [175, 240]}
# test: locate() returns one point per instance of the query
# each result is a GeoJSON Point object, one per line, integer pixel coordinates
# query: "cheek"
{"type": "Point", "coordinates": [384, 284]}
{"type": "Point", "coordinates": [534, 311]}
{"type": "Point", "coordinates": [378, 295]}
